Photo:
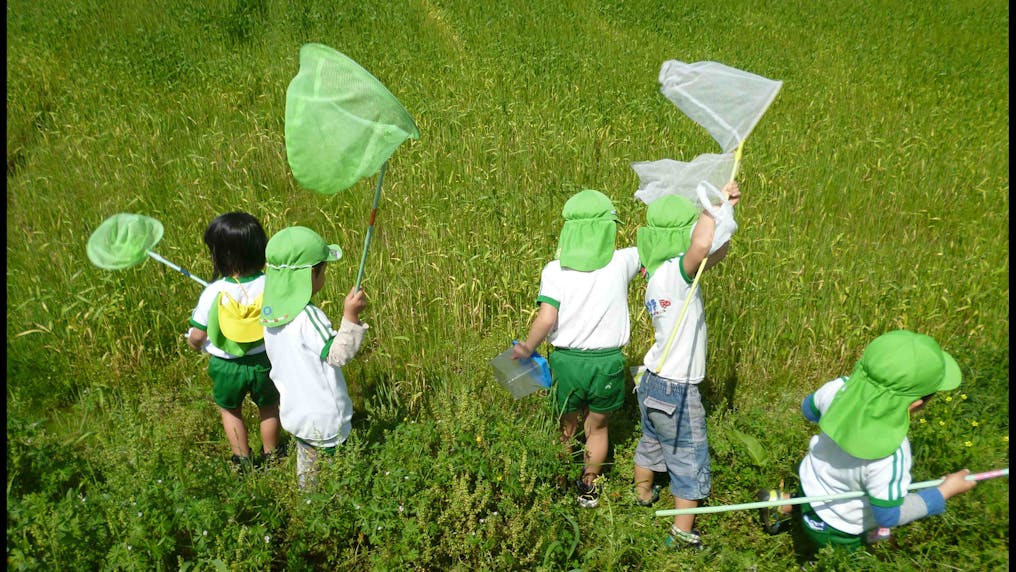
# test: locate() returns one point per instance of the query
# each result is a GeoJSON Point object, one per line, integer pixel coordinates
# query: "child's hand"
{"type": "Point", "coordinates": [956, 483]}
{"type": "Point", "coordinates": [355, 302]}
{"type": "Point", "coordinates": [733, 192]}
{"type": "Point", "coordinates": [196, 339]}
{"type": "Point", "coordinates": [521, 351]}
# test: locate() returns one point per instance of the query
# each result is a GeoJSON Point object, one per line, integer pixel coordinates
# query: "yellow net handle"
{"type": "Point", "coordinates": [694, 284]}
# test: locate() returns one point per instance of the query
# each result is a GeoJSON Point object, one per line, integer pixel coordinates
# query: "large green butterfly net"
{"type": "Point", "coordinates": [342, 124]}
{"type": "Point", "coordinates": [123, 240]}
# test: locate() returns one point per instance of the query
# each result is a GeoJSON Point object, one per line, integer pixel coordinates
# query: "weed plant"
{"type": "Point", "coordinates": [876, 197]}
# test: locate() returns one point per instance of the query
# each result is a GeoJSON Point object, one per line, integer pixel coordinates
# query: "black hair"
{"type": "Point", "coordinates": [237, 244]}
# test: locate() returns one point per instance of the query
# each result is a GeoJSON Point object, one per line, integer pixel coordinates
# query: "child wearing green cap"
{"type": "Point", "coordinates": [583, 314]}
{"type": "Point", "coordinates": [225, 325]}
{"type": "Point", "coordinates": [307, 354]}
{"type": "Point", "coordinates": [864, 419]}
{"type": "Point", "coordinates": [673, 244]}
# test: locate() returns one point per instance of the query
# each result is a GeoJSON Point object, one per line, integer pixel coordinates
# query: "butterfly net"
{"type": "Point", "coordinates": [342, 123]}
{"type": "Point", "coordinates": [727, 101]}
{"type": "Point", "coordinates": [123, 240]}
{"type": "Point", "coordinates": [670, 177]}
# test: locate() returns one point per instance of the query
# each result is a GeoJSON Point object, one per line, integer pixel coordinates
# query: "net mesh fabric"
{"type": "Point", "coordinates": [670, 177]}
{"type": "Point", "coordinates": [123, 240]}
{"type": "Point", "coordinates": [727, 101]}
{"type": "Point", "coordinates": [342, 123]}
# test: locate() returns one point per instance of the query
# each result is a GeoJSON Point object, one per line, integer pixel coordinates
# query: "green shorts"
{"type": "Point", "coordinates": [593, 379]}
{"type": "Point", "coordinates": [821, 534]}
{"type": "Point", "coordinates": [233, 379]}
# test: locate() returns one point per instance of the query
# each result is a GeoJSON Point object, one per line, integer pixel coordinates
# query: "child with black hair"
{"type": "Point", "coordinates": [225, 324]}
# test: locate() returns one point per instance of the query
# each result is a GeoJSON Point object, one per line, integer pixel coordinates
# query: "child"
{"type": "Point", "coordinates": [225, 324]}
{"type": "Point", "coordinates": [864, 419]}
{"type": "Point", "coordinates": [307, 354]}
{"type": "Point", "coordinates": [584, 314]}
{"type": "Point", "coordinates": [673, 421]}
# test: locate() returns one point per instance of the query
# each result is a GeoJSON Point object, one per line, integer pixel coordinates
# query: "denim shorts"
{"type": "Point", "coordinates": [674, 435]}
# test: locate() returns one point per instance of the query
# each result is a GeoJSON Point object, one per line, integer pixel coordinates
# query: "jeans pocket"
{"type": "Point", "coordinates": [653, 403]}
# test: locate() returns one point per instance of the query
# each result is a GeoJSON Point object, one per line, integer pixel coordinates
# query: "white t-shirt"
{"type": "Point", "coordinates": [827, 469]}
{"type": "Point", "coordinates": [666, 292]}
{"type": "Point", "coordinates": [314, 402]}
{"type": "Point", "coordinates": [244, 292]}
{"type": "Point", "coordinates": [592, 306]}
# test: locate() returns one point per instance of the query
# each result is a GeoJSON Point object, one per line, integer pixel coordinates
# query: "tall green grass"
{"type": "Point", "coordinates": [876, 196]}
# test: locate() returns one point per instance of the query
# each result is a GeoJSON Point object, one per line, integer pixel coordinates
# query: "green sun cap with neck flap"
{"type": "Point", "coordinates": [589, 231]}
{"type": "Point", "coordinates": [291, 256]}
{"type": "Point", "coordinates": [869, 417]}
{"type": "Point", "coordinates": [667, 233]}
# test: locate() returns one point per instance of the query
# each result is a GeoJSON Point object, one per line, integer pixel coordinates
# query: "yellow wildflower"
{"type": "Point", "coordinates": [968, 444]}
{"type": "Point", "coordinates": [974, 423]}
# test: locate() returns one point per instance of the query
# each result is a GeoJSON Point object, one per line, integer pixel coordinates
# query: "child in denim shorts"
{"type": "Point", "coordinates": [672, 246]}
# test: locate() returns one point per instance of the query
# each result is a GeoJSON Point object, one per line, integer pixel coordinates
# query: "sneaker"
{"type": "Point", "coordinates": [678, 539]}
{"type": "Point", "coordinates": [655, 496]}
{"type": "Point", "coordinates": [268, 458]}
{"type": "Point", "coordinates": [242, 464]}
{"type": "Point", "coordinates": [773, 518]}
{"type": "Point", "coordinates": [589, 495]}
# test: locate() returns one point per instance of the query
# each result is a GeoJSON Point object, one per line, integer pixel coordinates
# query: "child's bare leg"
{"type": "Point", "coordinates": [236, 431]}
{"type": "Point", "coordinates": [596, 445]}
{"type": "Point", "coordinates": [644, 483]}
{"type": "Point", "coordinates": [569, 426]}
{"type": "Point", "coordinates": [684, 521]}
{"type": "Point", "coordinates": [270, 427]}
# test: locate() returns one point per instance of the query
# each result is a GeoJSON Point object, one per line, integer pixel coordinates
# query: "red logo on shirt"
{"type": "Point", "coordinates": [664, 304]}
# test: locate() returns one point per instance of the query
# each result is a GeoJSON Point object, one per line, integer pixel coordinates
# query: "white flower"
{"type": "Point", "coordinates": [204, 533]}
{"type": "Point", "coordinates": [268, 537]}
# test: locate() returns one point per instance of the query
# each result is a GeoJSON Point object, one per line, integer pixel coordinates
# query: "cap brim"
{"type": "Point", "coordinates": [334, 253]}
{"type": "Point", "coordinates": [953, 376]}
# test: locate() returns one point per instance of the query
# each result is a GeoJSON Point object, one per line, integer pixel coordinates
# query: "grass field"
{"type": "Point", "coordinates": [876, 196]}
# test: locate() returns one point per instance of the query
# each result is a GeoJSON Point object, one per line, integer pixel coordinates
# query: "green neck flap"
{"type": "Point", "coordinates": [667, 233]}
{"type": "Point", "coordinates": [589, 231]}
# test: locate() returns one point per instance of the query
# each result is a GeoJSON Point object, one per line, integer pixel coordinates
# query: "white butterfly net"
{"type": "Point", "coordinates": [727, 101]}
